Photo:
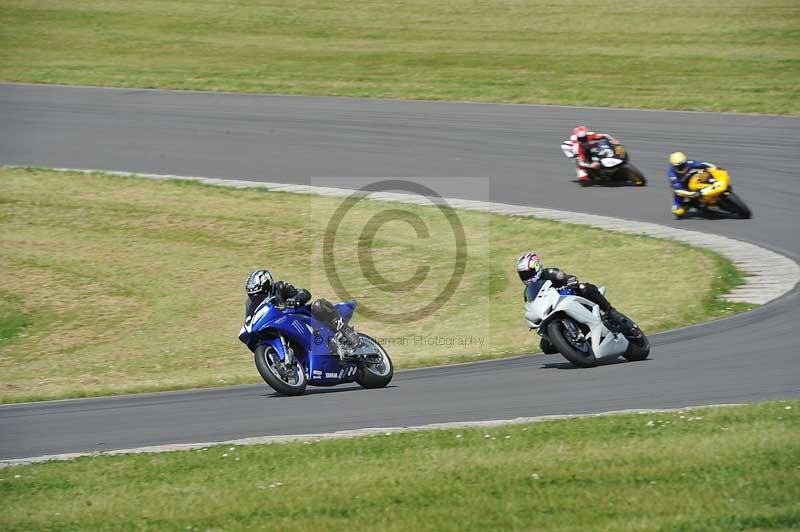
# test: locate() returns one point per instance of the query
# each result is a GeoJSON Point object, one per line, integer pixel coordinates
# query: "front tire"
{"type": "Point", "coordinates": [375, 368]}
{"type": "Point", "coordinates": [636, 177]}
{"type": "Point", "coordinates": [580, 354]}
{"type": "Point", "coordinates": [734, 204]}
{"type": "Point", "coordinates": [285, 381]}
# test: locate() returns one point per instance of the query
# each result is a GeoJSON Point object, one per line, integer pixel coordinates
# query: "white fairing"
{"type": "Point", "coordinates": [568, 150]}
{"type": "Point", "coordinates": [611, 162]}
{"type": "Point", "coordinates": [605, 344]}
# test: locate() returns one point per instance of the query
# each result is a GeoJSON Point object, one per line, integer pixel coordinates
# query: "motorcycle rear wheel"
{"type": "Point", "coordinates": [376, 368]}
{"type": "Point", "coordinates": [291, 381]}
{"type": "Point", "coordinates": [580, 357]}
{"type": "Point", "coordinates": [734, 205]}
{"type": "Point", "coordinates": [638, 348]}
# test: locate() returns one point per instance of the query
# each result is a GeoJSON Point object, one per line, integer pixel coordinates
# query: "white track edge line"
{"type": "Point", "coordinates": [769, 275]}
{"type": "Point", "coordinates": [348, 434]}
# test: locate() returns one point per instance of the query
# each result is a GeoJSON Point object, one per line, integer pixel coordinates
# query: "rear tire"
{"type": "Point", "coordinates": [638, 348]}
{"type": "Point", "coordinates": [377, 370]}
{"type": "Point", "coordinates": [268, 364]}
{"type": "Point", "coordinates": [557, 335]}
{"type": "Point", "coordinates": [734, 204]}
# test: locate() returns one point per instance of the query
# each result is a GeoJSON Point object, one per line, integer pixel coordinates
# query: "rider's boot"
{"type": "Point", "coordinates": [583, 177]}
{"type": "Point", "coordinates": [346, 333]}
{"type": "Point", "coordinates": [621, 319]}
{"type": "Point", "coordinates": [546, 347]}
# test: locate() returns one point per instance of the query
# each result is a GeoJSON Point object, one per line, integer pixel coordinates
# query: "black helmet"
{"type": "Point", "coordinates": [258, 282]}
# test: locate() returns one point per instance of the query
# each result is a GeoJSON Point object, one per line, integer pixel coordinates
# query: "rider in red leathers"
{"type": "Point", "coordinates": [582, 139]}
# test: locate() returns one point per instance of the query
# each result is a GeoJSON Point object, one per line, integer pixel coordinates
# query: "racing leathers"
{"type": "Point", "coordinates": [681, 195]}
{"type": "Point", "coordinates": [561, 279]}
{"type": "Point", "coordinates": [583, 153]}
{"type": "Point", "coordinates": [286, 295]}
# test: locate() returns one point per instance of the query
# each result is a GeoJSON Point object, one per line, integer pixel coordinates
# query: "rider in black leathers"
{"type": "Point", "coordinates": [561, 279]}
{"type": "Point", "coordinates": [260, 286]}
{"type": "Point", "coordinates": [530, 270]}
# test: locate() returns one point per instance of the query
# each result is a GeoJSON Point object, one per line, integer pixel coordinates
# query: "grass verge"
{"type": "Point", "coordinates": [715, 469]}
{"type": "Point", "coordinates": [113, 285]}
{"type": "Point", "coordinates": [726, 55]}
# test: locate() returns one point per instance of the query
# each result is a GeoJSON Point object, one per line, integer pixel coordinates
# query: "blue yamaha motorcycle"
{"type": "Point", "coordinates": [293, 349]}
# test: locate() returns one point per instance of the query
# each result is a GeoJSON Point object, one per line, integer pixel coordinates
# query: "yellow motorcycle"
{"type": "Point", "coordinates": [714, 186]}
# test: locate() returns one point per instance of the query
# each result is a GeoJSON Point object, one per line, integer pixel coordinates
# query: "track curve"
{"type": "Point", "coordinates": [273, 138]}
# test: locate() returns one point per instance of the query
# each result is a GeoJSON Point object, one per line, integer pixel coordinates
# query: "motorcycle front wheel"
{"type": "Point", "coordinates": [734, 205]}
{"type": "Point", "coordinates": [577, 351]}
{"type": "Point", "coordinates": [286, 380]}
{"type": "Point", "coordinates": [375, 367]}
{"type": "Point", "coordinates": [635, 176]}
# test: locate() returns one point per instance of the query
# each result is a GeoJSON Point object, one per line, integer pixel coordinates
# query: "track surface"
{"type": "Point", "coordinates": [290, 139]}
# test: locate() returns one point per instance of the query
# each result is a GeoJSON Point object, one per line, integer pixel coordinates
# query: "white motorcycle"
{"type": "Point", "coordinates": [615, 166]}
{"type": "Point", "coordinates": [573, 326]}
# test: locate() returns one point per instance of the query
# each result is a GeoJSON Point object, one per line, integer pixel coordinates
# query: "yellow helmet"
{"type": "Point", "coordinates": [678, 161]}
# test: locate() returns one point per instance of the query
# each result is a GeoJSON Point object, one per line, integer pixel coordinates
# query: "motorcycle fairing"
{"type": "Point", "coordinates": [610, 162]}
{"type": "Point", "coordinates": [549, 305]}
{"type": "Point", "coordinates": [347, 309]}
{"type": "Point", "coordinates": [711, 183]}
{"type": "Point", "coordinates": [308, 338]}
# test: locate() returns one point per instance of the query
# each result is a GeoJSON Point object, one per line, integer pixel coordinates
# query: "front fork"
{"type": "Point", "coordinates": [573, 330]}
{"type": "Point", "coordinates": [288, 354]}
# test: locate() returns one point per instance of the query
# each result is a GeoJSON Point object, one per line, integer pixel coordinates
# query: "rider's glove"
{"type": "Point", "coordinates": [595, 165]}
{"type": "Point", "coordinates": [696, 194]}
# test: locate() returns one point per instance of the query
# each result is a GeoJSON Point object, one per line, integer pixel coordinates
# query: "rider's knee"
{"type": "Point", "coordinates": [324, 310]}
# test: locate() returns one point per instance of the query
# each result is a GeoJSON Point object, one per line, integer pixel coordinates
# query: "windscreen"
{"type": "Point", "coordinates": [532, 290]}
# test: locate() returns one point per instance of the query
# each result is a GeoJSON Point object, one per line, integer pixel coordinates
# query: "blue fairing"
{"type": "Point", "coordinates": [307, 337]}
{"type": "Point", "coordinates": [347, 309]}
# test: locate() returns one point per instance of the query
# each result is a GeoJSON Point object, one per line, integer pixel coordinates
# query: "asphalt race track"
{"type": "Point", "coordinates": [746, 358]}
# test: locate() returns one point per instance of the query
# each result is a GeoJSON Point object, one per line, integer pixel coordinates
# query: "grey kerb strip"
{"type": "Point", "coordinates": [769, 274]}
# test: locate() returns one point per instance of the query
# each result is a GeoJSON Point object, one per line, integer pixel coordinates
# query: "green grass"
{"type": "Point", "coordinates": [723, 55]}
{"type": "Point", "coordinates": [13, 320]}
{"type": "Point", "coordinates": [113, 285]}
{"type": "Point", "coordinates": [734, 468]}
